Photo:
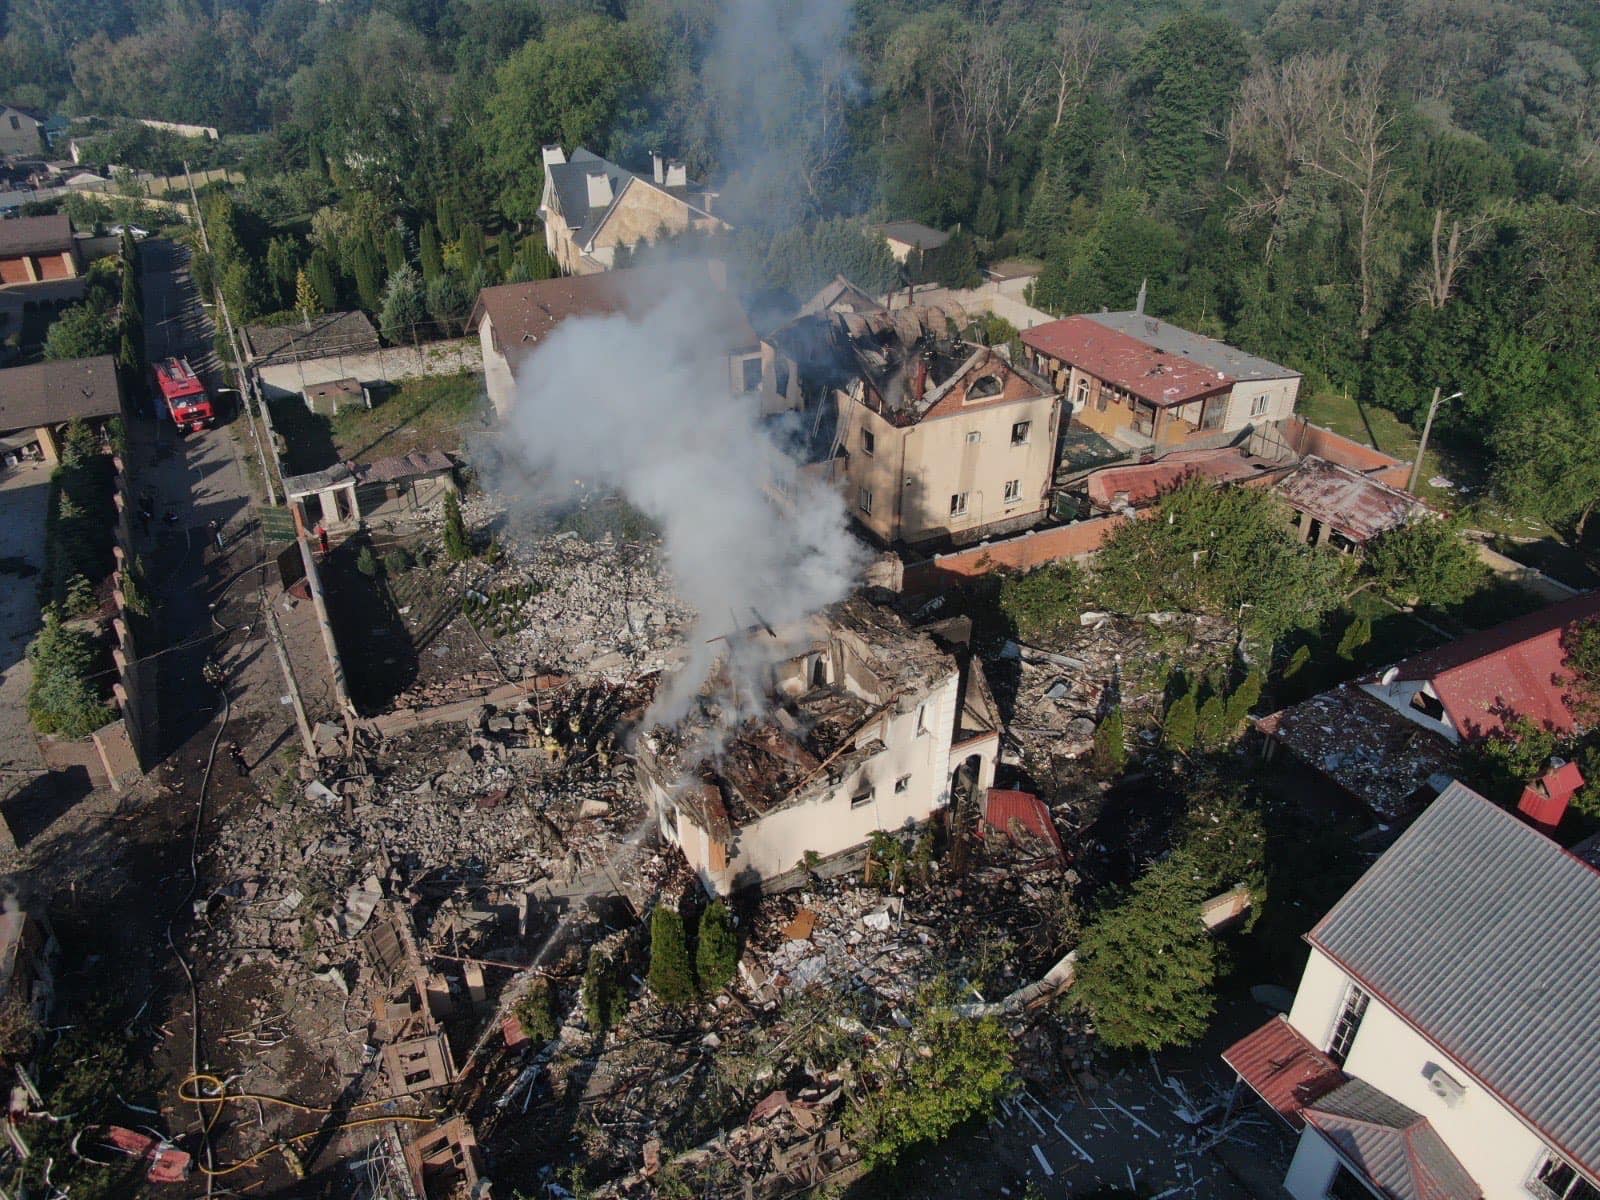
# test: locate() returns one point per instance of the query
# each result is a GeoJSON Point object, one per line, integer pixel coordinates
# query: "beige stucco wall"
{"type": "Point", "coordinates": [1279, 395]}
{"type": "Point", "coordinates": [774, 844]}
{"type": "Point", "coordinates": [913, 472]}
{"type": "Point", "coordinates": [1493, 1144]}
{"type": "Point", "coordinates": [497, 378]}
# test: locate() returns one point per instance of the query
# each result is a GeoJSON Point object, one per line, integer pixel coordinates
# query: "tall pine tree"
{"type": "Point", "coordinates": [428, 252]}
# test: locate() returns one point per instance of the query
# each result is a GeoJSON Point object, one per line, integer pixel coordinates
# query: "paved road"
{"type": "Point", "coordinates": [195, 480]}
{"type": "Point", "coordinates": [24, 490]}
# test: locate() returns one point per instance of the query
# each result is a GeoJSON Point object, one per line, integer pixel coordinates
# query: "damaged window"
{"type": "Point", "coordinates": [869, 442]}
{"type": "Point", "coordinates": [1258, 406]}
{"type": "Point", "coordinates": [1555, 1179]}
{"type": "Point", "coordinates": [752, 374]}
{"type": "Point", "coordinates": [1019, 433]}
{"type": "Point", "coordinates": [958, 504]}
{"type": "Point", "coordinates": [902, 785]}
{"type": "Point", "coordinates": [861, 799]}
{"type": "Point", "coordinates": [974, 437]}
{"type": "Point", "coordinates": [1428, 705]}
{"type": "Point", "coordinates": [982, 389]}
{"type": "Point", "coordinates": [864, 500]}
{"type": "Point", "coordinates": [1013, 490]}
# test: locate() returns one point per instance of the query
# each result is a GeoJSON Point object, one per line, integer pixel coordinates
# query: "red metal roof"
{"type": "Point", "coordinates": [1545, 800]}
{"type": "Point", "coordinates": [1358, 506]}
{"type": "Point", "coordinates": [1283, 1068]}
{"type": "Point", "coordinates": [1002, 807]}
{"type": "Point", "coordinates": [1514, 669]}
{"type": "Point", "coordinates": [1144, 483]}
{"type": "Point", "coordinates": [1162, 379]}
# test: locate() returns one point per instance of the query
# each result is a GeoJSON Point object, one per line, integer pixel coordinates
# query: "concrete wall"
{"type": "Point", "coordinates": [913, 472]}
{"type": "Point", "coordinates": [378, 366]}
{"type": "Point", "coordinates": [1003, 298]}
{"type": "Point", "coordinates": [641, 215]}
{"type": "Point", "coordinates": [1306, 438]}
{"type": "Point", "coordinates": [1493, 1144]}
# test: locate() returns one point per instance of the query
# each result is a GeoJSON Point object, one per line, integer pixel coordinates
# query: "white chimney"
{"type": "Point", "coordinates": [554, 156]}
{"type": "Point", "coordinates": [677, 174]}
{"type": "Point", "coordinates": [655, 162]}
{"type": "Point", "coordinates": [599, 189]}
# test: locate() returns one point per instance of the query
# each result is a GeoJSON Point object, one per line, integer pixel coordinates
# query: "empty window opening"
{"type": "Point", "coordinates": [902, 785]}
{"type": "Point", "coordinates": [861, 799]}
{"type": "Point", "coordinates": [1555, 1179]}
{"type": "Point", "coordinates": [974, 437]}
{"type": "Point", "coordinates": [1348, 1024]}
{"type": "Point", "coordinates": [982, 389]}
{"type": "Point", "coordinates": [1258, 406]}
{"type": "Point", "coordinates": [1428, 705]}
{"type": "Point", "coordinates": [752, 374]}
{"type": "Point", "coordinates": [864, 501]}
{"type": "Point", "coordinates": [869, 442]}
{"type": "Point", "coordinates": [1019, 433]}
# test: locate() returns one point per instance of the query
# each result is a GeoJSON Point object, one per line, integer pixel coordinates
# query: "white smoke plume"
{"type": "Point", "coordinates": [640, 402]}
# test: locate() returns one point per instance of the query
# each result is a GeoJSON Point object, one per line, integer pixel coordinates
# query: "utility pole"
{"type": "Point", "coordinates": [246, 391]}
{"type": "Point", "coordinates": [1422, 447]}
{"type": "Point", "coordinates": [275, 635]}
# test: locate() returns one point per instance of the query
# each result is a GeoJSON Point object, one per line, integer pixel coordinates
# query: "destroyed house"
{"type": "Point", "coordinates": [935, 437]}
{"type": "Point", "coordinates": [1444, 1042]}
{"type": "Point", "coordinates": [871, 725]}
{"type": "Point", "coordinates": [592, 208]}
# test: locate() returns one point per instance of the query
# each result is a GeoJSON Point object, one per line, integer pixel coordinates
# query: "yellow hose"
{"type": "Point", "coordinates": [222, 1097]}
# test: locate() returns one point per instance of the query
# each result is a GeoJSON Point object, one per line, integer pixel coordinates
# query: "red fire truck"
{"type": "Point", "coordinates": [184, 395]}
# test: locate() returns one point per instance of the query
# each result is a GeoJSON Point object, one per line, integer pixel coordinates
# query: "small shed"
{"type": "Point", "coordinates": [329, 399]}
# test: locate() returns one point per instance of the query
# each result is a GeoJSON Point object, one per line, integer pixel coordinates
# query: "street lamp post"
{"type": "Point", "coordinates": [1427, 428]}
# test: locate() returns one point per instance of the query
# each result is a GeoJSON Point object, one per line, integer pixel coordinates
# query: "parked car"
{"type": "Point", "coordinates": [138, 234]}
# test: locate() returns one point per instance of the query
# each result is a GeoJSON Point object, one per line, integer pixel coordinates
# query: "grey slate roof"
{"type": "Point", "coordinates": [1208, 352]}
{"type": "Point", "coordinates": [36, 235]}
{"type": "Point", "coordinates": [53, 393]}
{"type": "Point", "coordinates": [570, 181]}
{"type": "Point", "coordinates": [1398, 1150]}
{"type": "Point", "coordinates": [326, 335]}
{"type": "Point", "coordinates": [1483, 934]}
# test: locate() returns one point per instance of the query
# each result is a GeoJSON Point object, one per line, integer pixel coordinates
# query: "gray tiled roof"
{"type": "Point", "coordinates": [55, 392]}
{"type": "Point", "coordinates": [1208, 352]}
{"type": "Point", "coordinates": [1399, 1151]}
{"type": "Point", "coordinates": [570, 181]}
{"type": "Point", "coordinates": [1482, 933]}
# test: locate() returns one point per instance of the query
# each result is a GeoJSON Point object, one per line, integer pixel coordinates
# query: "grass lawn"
{"type": "Point", "coordinates": [1465, 465]}
{"type": "Point", "coordinates": [417, 414]}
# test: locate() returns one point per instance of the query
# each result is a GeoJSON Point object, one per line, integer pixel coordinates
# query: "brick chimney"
{"type": "Point", "coordinates": [599, 189]}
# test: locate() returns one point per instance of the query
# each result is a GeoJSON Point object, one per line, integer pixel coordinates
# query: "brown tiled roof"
{"type": "Point", "coordinates": [1161, 378]}
{"type": "Point", "coordinates": [35, 235]}
{"type": "Point", "coordinates": [524, 314]}
{"type": "Point", "coordinates": [52, 393]}
{"type": "Point", "coordinates": [324, 336]}
{"type": "Point", "coordinates": [1284, 1069]}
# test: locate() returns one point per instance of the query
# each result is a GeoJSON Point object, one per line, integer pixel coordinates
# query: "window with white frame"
{"type": "Point", "coordinates": [1019, 433]}
{"type": "Point", "coordinates": [1348, 1024]}
{"type": "Point", "coordinates": [1258, 405]}
{"type": "Point", "coordinates": [864, 500]}
{"type": "Point", "coordinates": [751, 368]}
{"type": "Point", "coordinates": [1556, 1179]}
{"type": "Point", "coordinates": [1083, 391]}
{"type": "Point", "coordinates": [869, 442]}
{"type": "Point", "coordinates": [862, 798]}
{"type": "Point", "coordinates": [1013, 490]}
{"type": "Point", "coordinates": [958, 504]}
{"type": "Point", "coordinates": [974, 437]}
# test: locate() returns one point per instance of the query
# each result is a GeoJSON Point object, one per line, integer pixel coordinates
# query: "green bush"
{"type": "Point", "coordinates": [717, 955]}
{"type": "Point", "coordinates": [536, 1011]}
{"type": "Point", "coordinates": [1110, 744]}
{"type": "Point", "coordinates": [600, 993]}
{"type": "Point", "coordinates": [1211, 723]}
{"type": "Point", "coordinates": [1178, 731]}
{"type": "Point", "coordinates": [63, 698]}
{"type": "Point", "coordinates": [1043, 600]}
{"type": "Point", "coordinates": [670, 977]}
{"type": "Point", "coordinates": [1356, 635]}
{"type": "Point", "coordinates": [456, 543]}
{"type": "Point", "coordinates": [1245, 697]}
{"type": "Point", "coordinates": [396, 562]}
{"type": "Point", "coordinates": [367, 562]}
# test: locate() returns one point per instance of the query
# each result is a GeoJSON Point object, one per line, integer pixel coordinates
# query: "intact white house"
{"type": "Point", "coordinates": [1444, 1043]}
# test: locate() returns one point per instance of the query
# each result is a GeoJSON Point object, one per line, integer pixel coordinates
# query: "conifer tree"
{"type": "Point", "coordinates": [1211, 723]}
{"type": "Point", "coordinates": [1179, 727]}
{"type": "Point", "coordinates": [670, 978]}
{"type": "Point", "coordinates": [717, 955]}
{"type": "Point", "coordinates": [428, 252]}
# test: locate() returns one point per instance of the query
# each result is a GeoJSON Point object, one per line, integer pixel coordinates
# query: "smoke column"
{"type": "Point", "coordinates": [641, 402]}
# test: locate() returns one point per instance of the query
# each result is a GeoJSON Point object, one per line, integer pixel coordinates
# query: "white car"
{"type": "Point", "coordinates": [138, 234]}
